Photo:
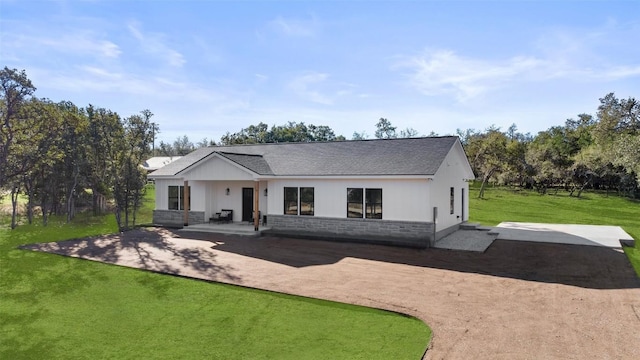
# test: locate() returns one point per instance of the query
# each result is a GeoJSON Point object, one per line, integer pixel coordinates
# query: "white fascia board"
{"type": "Point", "coordinates": [348, 177]}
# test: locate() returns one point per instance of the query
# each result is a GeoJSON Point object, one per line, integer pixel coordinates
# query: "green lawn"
{"type": "Point", "coordinates": [503, 204]}
{"type": "Point", "coordinates": [54, 307]}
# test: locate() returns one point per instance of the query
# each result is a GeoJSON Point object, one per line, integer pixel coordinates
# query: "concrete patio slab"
{"type": "Point", "coordinates": [573, 234]}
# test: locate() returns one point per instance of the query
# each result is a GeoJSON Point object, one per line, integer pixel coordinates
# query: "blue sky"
{"type": "Point", "coordinates": [208, 67]}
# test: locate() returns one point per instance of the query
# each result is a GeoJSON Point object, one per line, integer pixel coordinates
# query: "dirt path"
{"type": "Point", "coordinates": [518, 300]}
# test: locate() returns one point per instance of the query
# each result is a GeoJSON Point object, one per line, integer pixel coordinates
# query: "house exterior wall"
{"type": "Point", "coordinates": [450, 174]}
{"type": "Point", "coordinates": [405, 210]}
{"type": "Point", "coordinates": [162, 192]}
{"type": "Point", "coordinates": [402, 199]}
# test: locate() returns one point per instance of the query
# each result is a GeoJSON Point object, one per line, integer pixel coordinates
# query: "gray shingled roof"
{"type": "Point", "coordinates": [417, 156]}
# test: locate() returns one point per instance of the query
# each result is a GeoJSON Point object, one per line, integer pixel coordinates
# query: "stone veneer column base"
{"type": "Point", "coordinates": [176, 217]}
{"type": "Point", "coordinates": [388, 232]}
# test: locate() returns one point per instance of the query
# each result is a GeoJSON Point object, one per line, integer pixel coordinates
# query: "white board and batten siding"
{"type": "Point", "coordinates": [452, 173]}
{"type": "Point", "coordinates": [402, 199]}
{"type": "Point", "coordinates": [217, 169]}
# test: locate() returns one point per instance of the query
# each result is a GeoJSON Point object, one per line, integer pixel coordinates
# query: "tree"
{"type": "Point", "coordinates": [321, 133]}
{"type": "Point", "coordinates": [359, 135]}
{"type": "Point", "coordinates": [182, 146]}
{"type": "Point", "coordinates": [489, 153]}
{"type": "Point", "coordinates": [627, 151]}
{"type": "Point", "coordinates": [385, 130]}
{"type": "Point", "coordinates": [550, 159]}
{"type": "Point", "coordinates": [15, 87]}
{"type": "Point", "coordinates": [290, 132]}
{"type": "Point", "coordinates": [205, 142]}
{"type": "Point", "coordinates": [165, 149]}
{"type": "Point", "coordinates": [130, 178]}
{"type": "Point", "coordinates": [104, 130]}
{"type": "Point", "coordinates": [409, 133]}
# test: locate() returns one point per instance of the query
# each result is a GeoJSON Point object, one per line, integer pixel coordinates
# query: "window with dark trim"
{"type": "Point", "coordinates": [365, 203]}
{"type": "Point", "coordinates": [299, 201]}
{"type": "Point", "coordinates": [291, 201]}
{"type": "Point", "coordinates": [354, 203]}
{"type": "Point", "coordinates": [176, 199]}
{"type": "Point", "coordinates": [306, 201]}
{"type": "Point", "coordinates": [373, 203]}
{"type": "Point", "coordinates": [451, 200]}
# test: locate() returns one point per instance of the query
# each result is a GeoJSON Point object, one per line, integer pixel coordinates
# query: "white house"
{"type": "Point", "coordinates": [397, 191]}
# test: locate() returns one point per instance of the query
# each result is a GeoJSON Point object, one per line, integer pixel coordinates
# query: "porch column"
{"type": "Point", "coordinates": [256, 205]}
{"type": "Point", "coordinates": [185, 202]}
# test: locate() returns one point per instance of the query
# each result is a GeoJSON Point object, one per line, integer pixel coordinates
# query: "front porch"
{"type": "Point", "coordinates": [236, 228]}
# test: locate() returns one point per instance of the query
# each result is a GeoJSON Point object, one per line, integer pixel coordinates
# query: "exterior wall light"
{"type": "Point", "coordinates": [228, 191]}
{"type": "Point", "coordinates": [266, 192]}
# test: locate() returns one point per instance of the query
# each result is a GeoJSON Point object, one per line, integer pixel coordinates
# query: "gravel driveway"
{"type": "Point", "coordinates": [518, 300]}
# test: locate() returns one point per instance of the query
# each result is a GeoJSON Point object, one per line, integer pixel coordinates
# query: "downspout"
{"type": "Point", "coordinates": [256, 205]}
{"type": "Point", "coordinates": [435, 219]}
{"type": "Point", "coordinates": [185, 202]}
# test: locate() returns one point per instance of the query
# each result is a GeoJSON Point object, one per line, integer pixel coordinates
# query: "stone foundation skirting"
{"type": "Point", "coordinates": [388, 232]}
{"type": "Point", "coordinates": [176, 217]}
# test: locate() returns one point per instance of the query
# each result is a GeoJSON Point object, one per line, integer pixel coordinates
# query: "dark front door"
{"type": "Point", "coordinates": [247, 204]}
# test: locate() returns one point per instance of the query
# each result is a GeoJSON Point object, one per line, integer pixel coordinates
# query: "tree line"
{"type": "Point", "coordinates": [58, 154]}
{"type": "Point", "coordinates": [289, 132]}
{"type": "Point", "coordinates": [599, 152]}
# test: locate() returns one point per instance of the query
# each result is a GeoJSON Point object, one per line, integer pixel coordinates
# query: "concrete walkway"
{"type": "Point", "coordinates": [467, 240]}
{"type": "Point", "coordinates": [517, 300]}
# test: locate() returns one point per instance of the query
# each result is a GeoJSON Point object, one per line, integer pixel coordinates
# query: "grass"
{"type": "Point", "coordinates": [503, 204]}
{"type": "Point", "coordinates": [54, 307]}
{"type": "Point", "coordinates": [145, 213]}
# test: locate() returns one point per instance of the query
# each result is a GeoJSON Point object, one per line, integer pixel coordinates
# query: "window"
{"type": "Point", "coordinates": [290, 201]}
{"type": "Point", "coordinates": [176, 200]}
{"type": "Point", "coordinates": [451, 201]}
{"type": "Point", "coordinates": [306, 201]}
{"type": "Point", "coordinates": [303, 207]}
{"type": "Point", "coordinates": [369, 200]}
{"type": "Point", "coordinates": [374, 203]}
{"type": "Point", "coordinates": [354, 203]}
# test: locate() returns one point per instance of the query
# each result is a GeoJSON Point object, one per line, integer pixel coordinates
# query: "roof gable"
{"type": "Point", "coordinates": [217, 167]}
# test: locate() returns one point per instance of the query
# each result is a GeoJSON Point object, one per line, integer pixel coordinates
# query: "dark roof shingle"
{"type": "Point", "coordinates": [415, 156]}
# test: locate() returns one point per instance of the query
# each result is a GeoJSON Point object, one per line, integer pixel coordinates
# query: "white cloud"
{"type": "Point", "coordinates": [154, 44]}
{"type": "Point", "coordinates": [596, 54]}
{"type": "Point", "coordinates": [319, 88]}
{"type": "Point", "coordinates": [295, 27]}
{"type": "Point", "coordinates": [302, 86]}
{"type": "Point", "coordinates": [443, 72]}
{"type": "Point", "coordinates": [77, 43]}
{"type": "Point", "coordinates": [620, 72]}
